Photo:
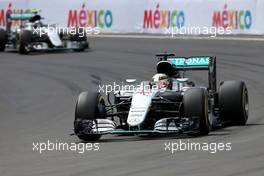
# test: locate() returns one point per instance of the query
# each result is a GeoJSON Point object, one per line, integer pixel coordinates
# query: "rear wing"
{"type": "Point", "coordinates": [17, 17]}
{"type": "Point", "coordinates": [21, 16]}
{"type": "Point", "coordinates": [193, 63]}
{"type": "Point", "coordinates": [28, 14]}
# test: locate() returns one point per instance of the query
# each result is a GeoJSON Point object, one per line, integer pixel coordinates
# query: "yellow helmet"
{"type": "Point", "coordinates": [35, 10]}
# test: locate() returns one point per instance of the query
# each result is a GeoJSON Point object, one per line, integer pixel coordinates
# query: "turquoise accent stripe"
{"type": "Point", "coordinates": [189, 62]}
{"type": "Point", "coordinates": [139, 132]}
{"type": "Point", "coordinates": [133, 131]}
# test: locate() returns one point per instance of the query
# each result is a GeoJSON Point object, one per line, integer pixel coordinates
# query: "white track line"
{"type": "Point", "coordinates": [255, 38]}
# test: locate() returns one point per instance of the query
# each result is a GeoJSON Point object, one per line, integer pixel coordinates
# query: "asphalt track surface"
{"type": "Point", "coordinates": [37, 101]}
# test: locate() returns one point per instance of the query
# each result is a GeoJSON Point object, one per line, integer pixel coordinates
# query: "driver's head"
{"type": "Point", "coordinates": [160, 80]}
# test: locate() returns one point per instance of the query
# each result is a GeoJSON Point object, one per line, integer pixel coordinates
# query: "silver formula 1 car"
{"type": "Point", "coordinates": [177, 107]}
{"type": "Point", "coordinates": [33, 35]}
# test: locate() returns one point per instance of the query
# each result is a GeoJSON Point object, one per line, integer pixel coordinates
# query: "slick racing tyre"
{"type": "Point", "coordinates": [24, 41]}
{"type": "Point", "coordinates": [3, 39]}
{"type": "Point", "coordinates": [81, 38]}
{"type": "Point", "coordinates": [233, 102]}
{"type": "Point", "coordinates": [89, 106]}
{"type": "Point", "coordinates": [195, 104]}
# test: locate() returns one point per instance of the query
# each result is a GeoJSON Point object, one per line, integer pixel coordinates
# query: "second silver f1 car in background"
{"type": "Point", "coordinates": [33, 35]}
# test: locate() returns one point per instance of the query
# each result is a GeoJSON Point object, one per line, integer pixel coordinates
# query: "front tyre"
{"type": "Point", "coordinates": [195, 104]}
{"type": "Point", "coordinates": [89, 106]}
{"type": "Point", "coordinates": [233, 102]}
{"type": "Point", "coordinates": [3, 39]}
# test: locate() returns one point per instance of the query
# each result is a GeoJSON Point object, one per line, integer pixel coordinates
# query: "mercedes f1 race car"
{"type": "Point", "coordinates": [33, 35]}
{"type": "Point", "coordinates": [168, 104]}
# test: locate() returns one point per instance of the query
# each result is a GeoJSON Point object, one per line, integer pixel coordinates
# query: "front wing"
{"type": "Point", "coordinates": [173, 125]}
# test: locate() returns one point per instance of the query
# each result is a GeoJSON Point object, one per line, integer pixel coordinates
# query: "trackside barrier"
{"type": "Point", "coordinates": [147, 16]}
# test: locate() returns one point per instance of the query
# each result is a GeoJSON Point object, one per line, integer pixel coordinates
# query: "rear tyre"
{"type": "Point", "coordinates": [24, 41]}
{"type": "Point", "coordinates": [3, 40]}
{"type": "Point", "coordinates": [233, 102]}
{"type": "Point", "coordinates": [195, 104]}
{"type": "Point", "coordinates": [89, 106]}
{"type": "Point", "coordinates": [81, 38]}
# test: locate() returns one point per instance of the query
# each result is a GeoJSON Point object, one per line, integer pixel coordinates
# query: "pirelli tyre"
{"type": "Point", "coordinates": [233, 102]}
{"type": "Point", "coordinates": [24, 42]}
{"type": "Point", "coordinates": [89, 106]}
{"type": "Point", "coordinates": [81, 38]}
{"type": "Point", "coordinates": [3, 39]}
{"type": "Point", "coordinates": [195, 104]}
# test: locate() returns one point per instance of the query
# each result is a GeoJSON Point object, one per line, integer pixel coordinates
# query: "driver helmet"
{"type": "Point", "coordinates": [160, 80]}
{"type": "Point", "coordinates": [36, 17]}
